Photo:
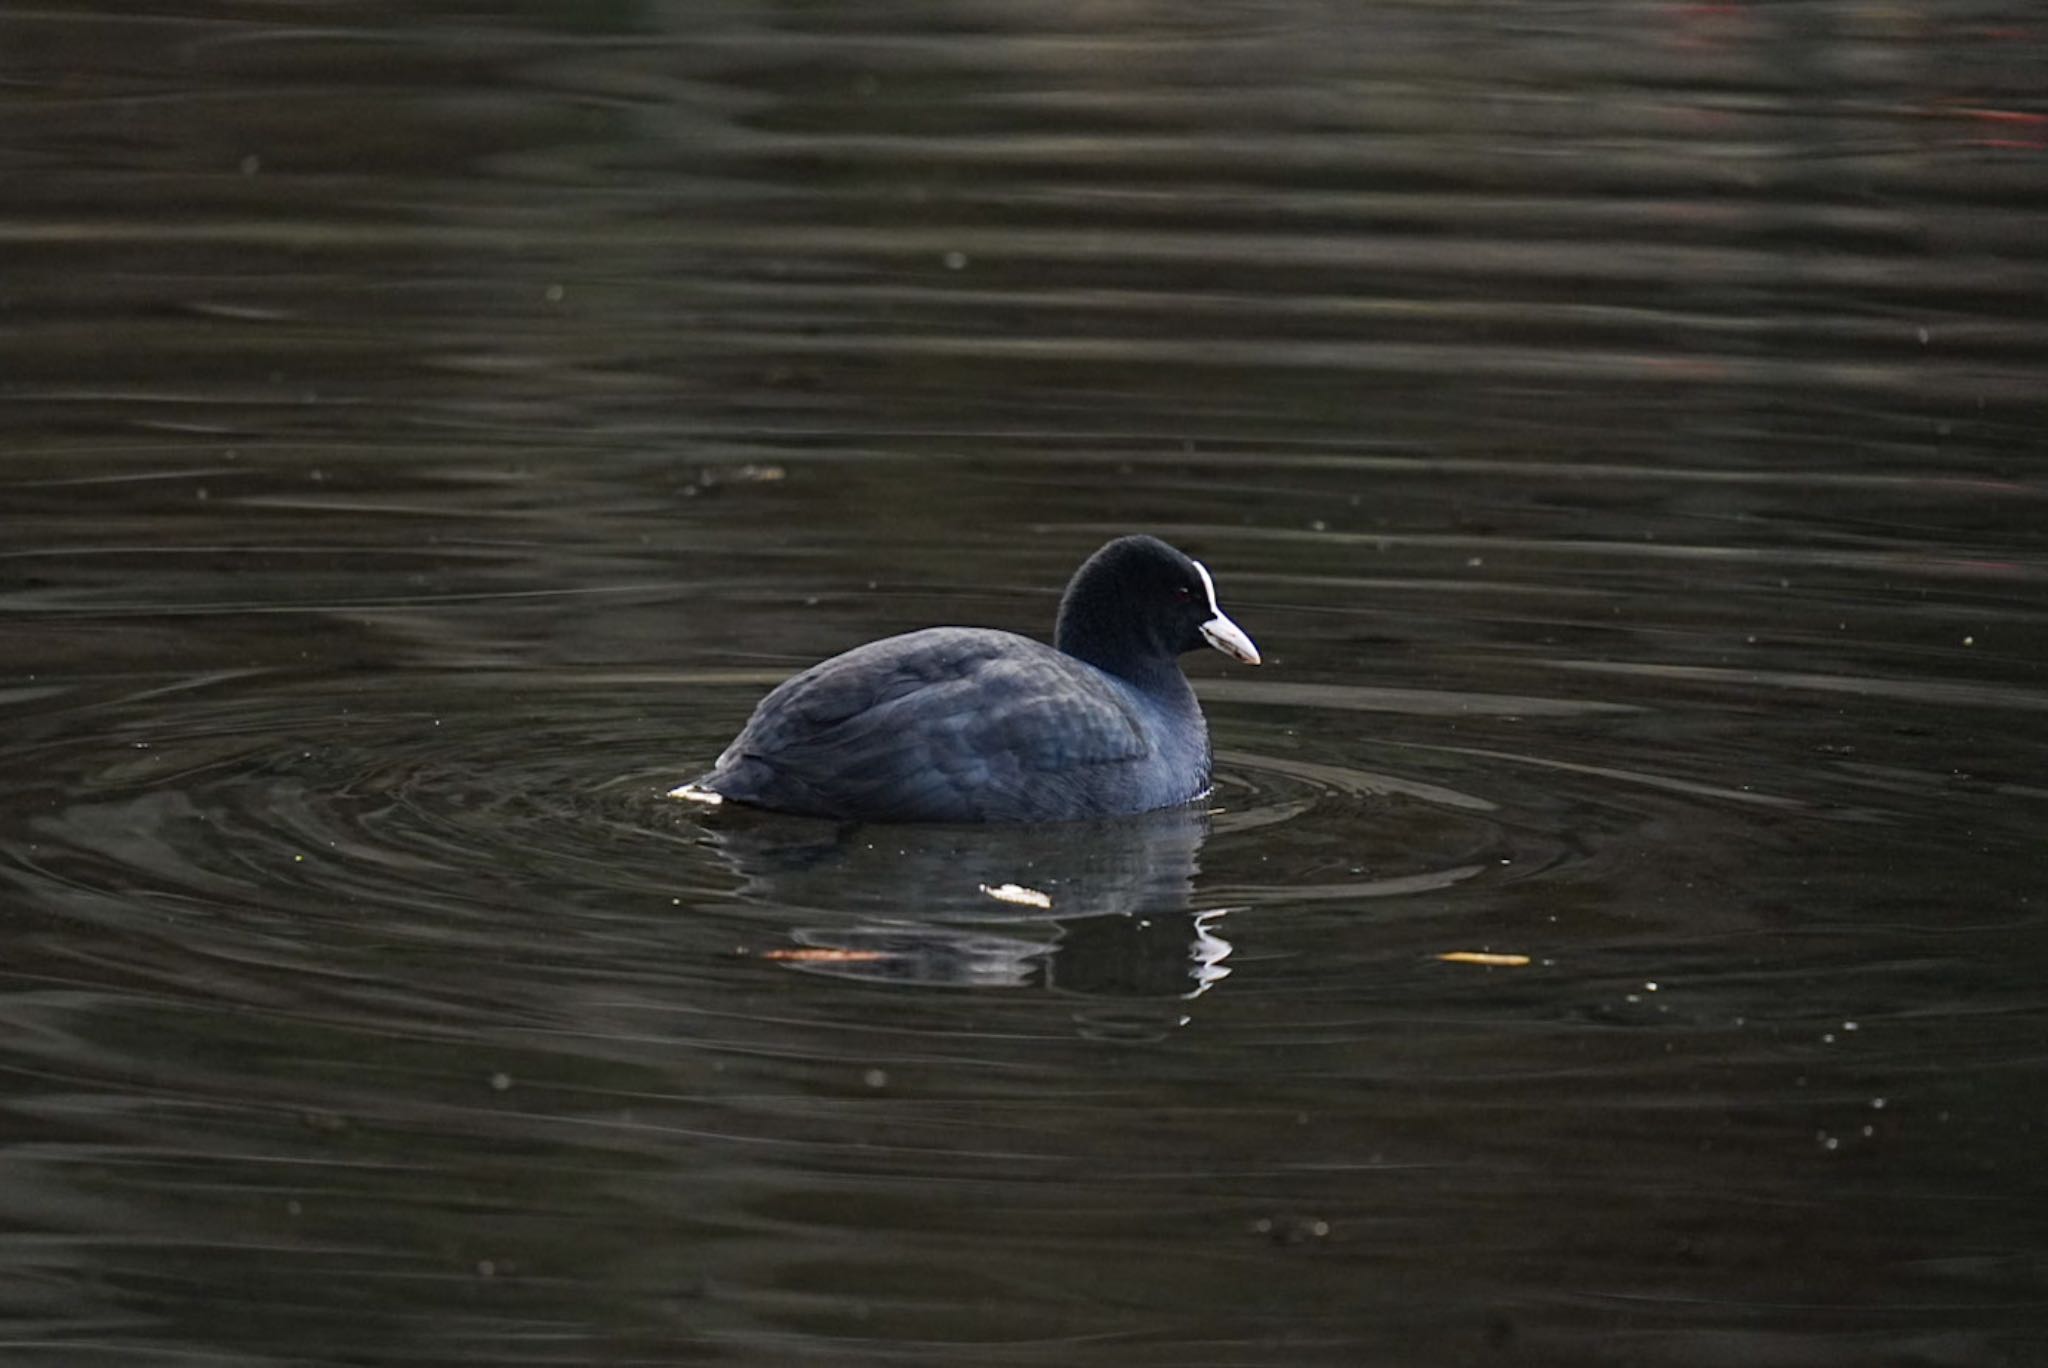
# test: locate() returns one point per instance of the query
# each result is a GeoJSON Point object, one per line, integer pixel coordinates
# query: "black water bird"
{"type": "Point", "coordinates": [969, 724]}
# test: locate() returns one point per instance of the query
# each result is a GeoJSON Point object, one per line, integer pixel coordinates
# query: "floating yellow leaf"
{"type": "Point", "coordinates": [822, 954]}
{"type": "Point", "coordinates": [1483, 957]}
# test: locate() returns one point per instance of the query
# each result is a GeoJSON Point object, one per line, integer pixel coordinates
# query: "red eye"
{"type": "Point", "coordinates": [1183, 595]}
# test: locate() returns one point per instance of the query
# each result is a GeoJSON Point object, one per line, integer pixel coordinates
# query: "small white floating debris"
{"type": "Point", "coordinates": [1017, 893]}
{"type": "Point", "coordinates": [690, 793]}
{"type": "Point", "coordinates": [1483, 957]}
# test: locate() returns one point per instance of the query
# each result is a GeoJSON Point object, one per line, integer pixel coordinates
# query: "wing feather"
{"type": "Point", "coordinates": [944, 723]}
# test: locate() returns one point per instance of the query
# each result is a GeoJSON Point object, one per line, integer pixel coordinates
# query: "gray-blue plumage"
{"type": "Point", "coordinates": [967, 724]}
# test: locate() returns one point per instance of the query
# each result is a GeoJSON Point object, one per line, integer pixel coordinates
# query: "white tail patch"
{"type": "Point", "coordinates": [690, 793]}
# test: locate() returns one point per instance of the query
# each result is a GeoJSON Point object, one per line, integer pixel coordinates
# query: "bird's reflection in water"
{"type": "Point", "coordinates": [1100, 910]}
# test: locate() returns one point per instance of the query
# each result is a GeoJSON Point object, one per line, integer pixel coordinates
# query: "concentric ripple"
{"type": "Point", "coordinates": [520, 816]}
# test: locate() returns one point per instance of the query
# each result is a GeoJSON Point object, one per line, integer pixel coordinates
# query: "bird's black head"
{"type": "Point", "coordinates": [1137, 604]}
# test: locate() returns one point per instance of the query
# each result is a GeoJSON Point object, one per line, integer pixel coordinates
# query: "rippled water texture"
{"type": "Point", "coordinates": [424, 433]}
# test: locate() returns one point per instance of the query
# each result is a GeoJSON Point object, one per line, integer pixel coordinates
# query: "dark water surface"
{"type": "Point", "coordinates": [428, 430]}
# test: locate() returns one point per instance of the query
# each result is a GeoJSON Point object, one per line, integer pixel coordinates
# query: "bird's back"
{"type": "Point", "coordinates": [960, 724]}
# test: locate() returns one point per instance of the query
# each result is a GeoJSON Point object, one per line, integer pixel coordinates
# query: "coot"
{"type": "Point", "coordinates": [967, 724]}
